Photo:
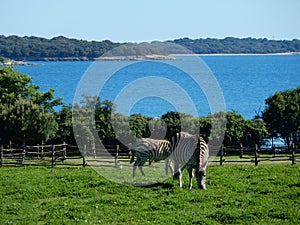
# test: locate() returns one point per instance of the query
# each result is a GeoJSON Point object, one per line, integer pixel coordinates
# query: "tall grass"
{"type": "Point", "coordinates": [235, 195]}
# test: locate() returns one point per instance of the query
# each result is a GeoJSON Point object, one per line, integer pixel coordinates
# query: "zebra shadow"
{"type": "Point", "coordinates": [161, 185]}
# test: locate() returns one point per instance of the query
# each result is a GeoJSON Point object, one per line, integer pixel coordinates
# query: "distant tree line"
{"type": "Point", "coordinates": [28, 115]}
{"type": "Point", "coordinates": [36, 48]}
{"type": "Point", "coordinates": [62, 48]}
{"type": "Point", "coordinates": [239, 46]}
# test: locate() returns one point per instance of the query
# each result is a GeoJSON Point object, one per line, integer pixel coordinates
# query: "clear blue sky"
{"type": "Point", "coordinates": [145, 20]}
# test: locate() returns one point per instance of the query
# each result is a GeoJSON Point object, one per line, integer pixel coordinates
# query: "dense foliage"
{"type": "Point", "coordinates": [27, 114]}
{"type": "Point", "coordinates": [112, 127]}
{"type": "Point", "coordinates": [36, 48]}
{"type": "Point", "coordinates": [239, 46]}
{"type": "Point", "coordinates": [62, 48]}
{"type": "Point", "coordinates": [282, 115]}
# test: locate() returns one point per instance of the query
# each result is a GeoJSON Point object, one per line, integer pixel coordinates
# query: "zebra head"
{"type": "Point", "coordinates": [201, 179]}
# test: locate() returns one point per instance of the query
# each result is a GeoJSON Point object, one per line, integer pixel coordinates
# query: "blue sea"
{"type": "Point", "coordinates": [194, 86]}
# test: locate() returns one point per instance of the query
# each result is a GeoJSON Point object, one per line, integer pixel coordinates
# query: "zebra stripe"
{"type": "Point", "coordinates": [149, 149]}
{"type": "Point", "coordinates": [191, 152]}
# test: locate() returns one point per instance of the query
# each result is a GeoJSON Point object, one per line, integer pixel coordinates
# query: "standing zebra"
{"type": "Point", "coordinates": [191, 152]}
{"type": "Point", "coordinates": [149, 149]}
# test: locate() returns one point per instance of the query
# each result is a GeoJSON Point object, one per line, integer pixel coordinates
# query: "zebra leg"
{"type": "Point", "coordinates": [134, 168]}
{"type": "Point", "coordinates": [166, 166]}
{"type": "Point", "coordinates": [180, 178]}
{"type": "Point", "coordinates": [141, 169]}
{"type": "Point", "coordinates": [138, 164]}
{"type": "Point", "coordinates": [131, 154]}
{"type": "Point", "coordinates": [190, 170]}
{"type": "Point", "coordinates": [141, 164]}
{"type": "Point", "coordinates": [178, 173]}
{"type": "Point", "coordinates": [201, 179]}
{"type": "Point", "coordinates": [169, 165]}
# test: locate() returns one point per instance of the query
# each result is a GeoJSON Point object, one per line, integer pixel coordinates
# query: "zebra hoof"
{"type": "Point", "coordinates": [202, 187]}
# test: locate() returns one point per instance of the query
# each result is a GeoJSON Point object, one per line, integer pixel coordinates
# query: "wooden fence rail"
{"type": "Point", "coordinates": [256, 155]}
{"type": "Point", "coordinates": [12, 156]}
{"type": "Point", "coordinates": [100, 156]}
{"type": "Point", "coordinates": [112, 155]}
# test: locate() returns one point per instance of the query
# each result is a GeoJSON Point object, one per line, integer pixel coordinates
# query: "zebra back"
{"type": "Point", "coordinates": [152, 149]}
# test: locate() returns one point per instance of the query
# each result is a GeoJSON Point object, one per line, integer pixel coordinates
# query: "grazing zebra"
{"type": "Point", "coordinates": [149, 149]}
{"type": "Point", "coordinates": [189, 151]}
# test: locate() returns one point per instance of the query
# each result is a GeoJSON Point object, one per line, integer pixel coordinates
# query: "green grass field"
{"type": "Point", "coordinates": [235, 195]}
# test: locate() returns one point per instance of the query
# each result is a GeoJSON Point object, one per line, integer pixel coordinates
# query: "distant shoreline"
{"type": "Point", "coordinates": [17, 63]}
{"type": "Point", "coordinates": [135, 58]}
{"type": "Point", "coordinates": [239, 54]}
{"type": "Point", "coordinates": [61, 48]}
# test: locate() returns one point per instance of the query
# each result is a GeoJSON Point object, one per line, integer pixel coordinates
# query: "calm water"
{"type": "Point", "coordinates": [245, 81]}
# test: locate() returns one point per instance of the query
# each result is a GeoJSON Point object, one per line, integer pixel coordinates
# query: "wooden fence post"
{"type": "Point", "coordinates": [64, 150]}
{"type": "Point", "coordinates": [293, 154]}
{"type": "Point", "coordinates": [94, 149]}
{"type": "Point", "coordinates": [117, 155]}
{"type": "Point", "coordinates": [53, 155]}
{"type": "Point", "coordinates": [38, 151]}
{"type": "Point", "coordinates": [83, 156]}
{"type": "Point", "coordinates": [42, 150]}
{"type": "Point", "coordinates": [274, 150]}
{"type": "Point", "coordinates": [1, 155]}
{"type": "Point", "coordinates": [241, 148]}
{"type": "Point", "coordinates": [221, 154]}
{"type": "Point", "coordinates": [256, 155]}
{"type": "Point", "coordinates": [23, 157]}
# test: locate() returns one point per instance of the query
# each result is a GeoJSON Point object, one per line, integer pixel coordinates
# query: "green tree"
{"type": "Point", "coordinates": [17, 86]}
{"type": "Point", "coordinates": [103, 119]}
{"type": "Point", "coordinates": [205, 127]}
{"type": "Point", "coordinates": [65, 128]}
{"type": "Point", "coordinates": [282, 115]}
{"type": "Point", "coordinates": [24, 120]}
{"type": "Point", "coordinates": [234, 128]}
{"type": "Point", "coordinates": [139, 125]}
{"type": "Point", "coordinates": [172, 121]}
{"type": "Point", "coordinates": [92, 115]}
{"type": "Point", "coordinates": [26, 113]}
{"type": "Point", "coordinates": [254, 132]}
{"type": "Point", "coordinates": [157, 128]}
{"type": "Point", "coordinates": [121, 129]}
{"type": "Point", "coordinates": [83, 125]}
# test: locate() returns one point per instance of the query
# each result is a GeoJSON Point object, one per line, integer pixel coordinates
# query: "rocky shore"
{"type": "Point", "coordinates": [16, 63]}
{"type": "Point", "coordinates": [138, 57]}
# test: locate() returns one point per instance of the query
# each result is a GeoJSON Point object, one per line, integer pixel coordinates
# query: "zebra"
{"type": "Point", "coordinates": [150, 149]}
{"type": "Point", "coordinates": [191, 152]}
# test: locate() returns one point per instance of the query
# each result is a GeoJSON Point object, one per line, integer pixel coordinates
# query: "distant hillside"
{"type": "Point", "coordinates": [232, 45]}
{"type": "Point", "coordinates": [134, 51]}
{"type": "Point", "coordinates": [62, 48]}
{"type": "Point", "coordinates": [58, 48]}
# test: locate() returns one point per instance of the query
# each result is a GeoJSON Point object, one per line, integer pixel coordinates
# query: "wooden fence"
{"type": "Point", "coordinates": [113, 155]}
{"type": "Point", "coordinates": [108, 156]}
{"type": "Point", "coordinates": [63, 154]}
{"type": "Point", "coordinates": [240, 154]}
{"type": "Point", "coordinates": [41, 154]}
{"type": "Point", "coordinates": [9, 156]}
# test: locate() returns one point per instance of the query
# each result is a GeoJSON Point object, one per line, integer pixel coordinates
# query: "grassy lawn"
{"type": "Point", "coordinates": [235, 195]}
